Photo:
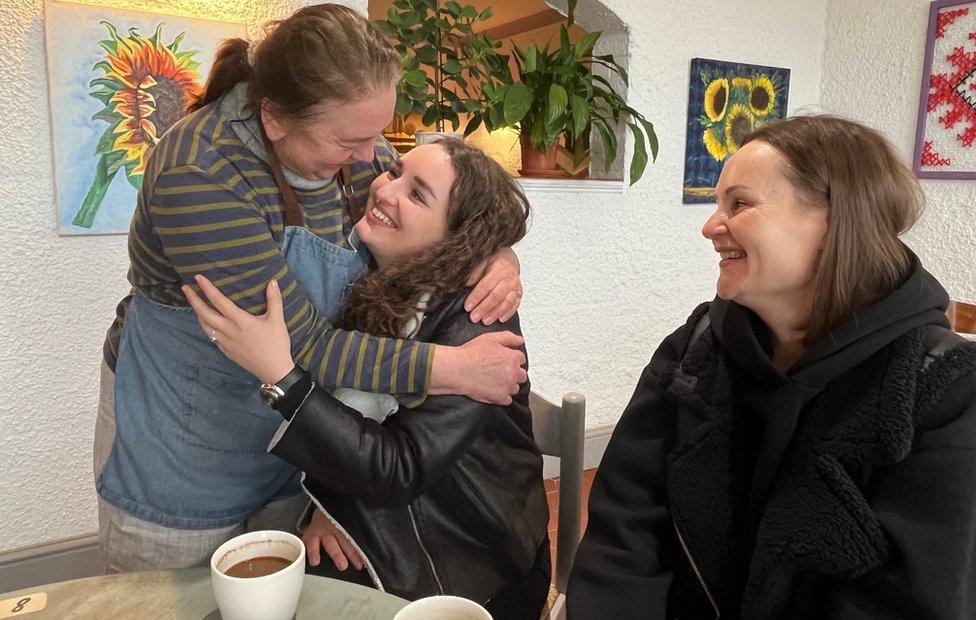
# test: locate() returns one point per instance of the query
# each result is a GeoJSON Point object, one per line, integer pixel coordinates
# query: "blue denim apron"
{"type": "Point", "coordinates": [191, 439]}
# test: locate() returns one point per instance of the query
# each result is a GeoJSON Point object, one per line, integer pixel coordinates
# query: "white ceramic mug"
{"type": "Point", "coordinates": [443, 608]}
{"type": "Point", "coordinates": [270, 597]}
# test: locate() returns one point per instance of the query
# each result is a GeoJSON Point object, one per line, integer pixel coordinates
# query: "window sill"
{"type": "Point", "coordinates": [565, 186]}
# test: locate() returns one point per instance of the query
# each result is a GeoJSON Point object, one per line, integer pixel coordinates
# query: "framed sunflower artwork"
{"type": "Point", "coordinates": [945, 135]}
{"type": "Point", "coordinates": [726, 101]}
{"type": "Point", "coordinates": [117, 80]}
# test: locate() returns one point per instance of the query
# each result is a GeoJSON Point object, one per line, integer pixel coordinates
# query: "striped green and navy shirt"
{"type": "Point", "coordinates": [209, 205]}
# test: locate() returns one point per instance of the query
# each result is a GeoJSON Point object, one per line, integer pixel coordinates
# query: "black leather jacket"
{"type": "Point", "coordinates": [445, 498]}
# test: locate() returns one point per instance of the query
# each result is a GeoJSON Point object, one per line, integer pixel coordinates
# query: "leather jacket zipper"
{"type": "Point", "coordinates": [694, 567]}
{"type": "Point", "coordinates": [430, 561]}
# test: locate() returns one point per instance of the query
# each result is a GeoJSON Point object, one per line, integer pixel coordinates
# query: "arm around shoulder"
{"type": "Point", "coordinates": [393, 462]}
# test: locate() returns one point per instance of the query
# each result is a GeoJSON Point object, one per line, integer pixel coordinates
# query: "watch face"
{"type": "Point", "coordinates": [271, 394]}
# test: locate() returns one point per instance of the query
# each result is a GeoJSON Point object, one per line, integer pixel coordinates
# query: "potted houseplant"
{"type": "Point", "coordinates": [444, 61]}
{"type": "Point", "coordinates": [557, 96]}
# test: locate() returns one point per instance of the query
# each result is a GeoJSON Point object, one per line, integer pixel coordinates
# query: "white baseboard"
{"type": "Point", "coordinates": [594, 445]}
{"type": "Point", "coordinates": [70, 558]}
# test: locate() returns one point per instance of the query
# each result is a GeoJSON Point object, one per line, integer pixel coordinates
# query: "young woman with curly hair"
{"type": "Point", "coordinates": [445, 498]}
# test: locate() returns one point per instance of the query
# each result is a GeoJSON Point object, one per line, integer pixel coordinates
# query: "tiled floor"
{"type": "Point", "coordinates": [552, 494]}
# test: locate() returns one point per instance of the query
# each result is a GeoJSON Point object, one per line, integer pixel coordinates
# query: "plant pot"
{"type": "Point", "coordinates": [576, 166]}
{"type": "Point", "coordinates": [426, 137]}
{"type": "Point", "coordinates": [538, 164]}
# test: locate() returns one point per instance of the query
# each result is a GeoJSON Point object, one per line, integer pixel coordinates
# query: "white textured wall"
{"type": "Point", "coordinates": [872, 68]}
{"type": "Point", "coordinates": [607, 276]}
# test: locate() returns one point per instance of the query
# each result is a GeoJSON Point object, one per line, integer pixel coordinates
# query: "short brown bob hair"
{"type": "Point", "coordinates": [871, 197]}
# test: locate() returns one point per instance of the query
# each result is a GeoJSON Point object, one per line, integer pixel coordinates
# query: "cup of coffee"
{"type": "Point", "coordinates": [258, 576]}
{"type": "Point", "coordinates": [443, 608]}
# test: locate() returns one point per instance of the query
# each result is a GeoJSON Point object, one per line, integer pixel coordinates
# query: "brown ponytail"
{"type": "Point", "coordinates": [321, 53]}
{"type": "Point", "coordinates": [230, 67]}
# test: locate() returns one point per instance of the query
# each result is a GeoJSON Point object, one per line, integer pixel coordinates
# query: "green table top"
{"type": "Point", "coordinates": [187, 594]}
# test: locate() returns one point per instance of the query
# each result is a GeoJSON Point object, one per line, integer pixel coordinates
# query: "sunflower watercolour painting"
{"type": "Point", "coordinates": [118, 80]}
{"type": "Point", "coordinates": [726, 102]}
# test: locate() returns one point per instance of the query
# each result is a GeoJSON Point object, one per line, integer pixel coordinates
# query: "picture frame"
{"type": "Point", "coordinates": [117, 80]}
{"type": "Point", "coordinates": [726, 102]}
{"type": "Point", "coordinates": [945, 133]}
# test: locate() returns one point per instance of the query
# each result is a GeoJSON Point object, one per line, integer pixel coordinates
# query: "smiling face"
{"type": "Point", "coordinates": [769, 241]}
{"type": "Point", "coordinates": [408, 205]}
{"type": "Point", "coordinates": [338, 134]}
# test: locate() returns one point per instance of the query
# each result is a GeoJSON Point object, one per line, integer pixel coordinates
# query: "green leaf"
{"type": "Point", "coordinates": [453, 8]}
{"type": "Point", "coordinates": [106, 142]}
{"type": "Point", "coordinates": [103, 65]}
{"type": "Point", "coordinates": [411, 19]}
{"type": "Point", "coordinates": [108, 83]}
{"type": "Point", "coordinates": [496, 117]}
{"type": "Point", "coordinates": [415, 78]}
{"type": "Point", "coordinates": [473, 123]}
{"type": "Point", "coordinates": [403, 106]}
{"type": "Point", "coordinates": [581, 115]}
{"type": "Point", "coordinates": [609, 142]}
{"type": "Point", "coordinates": [452, 66]}
{"type": "Point", "coordinates": [426, 53]}
{"type": "Point", "coordinates": [556, 106]}
{"type": "Point", "coordinates": [518, 100]}
{"type": "Point", "coordinates": [571, 11]}
{"type": "Point", "coordinates": [648, 127]}
{"type": "Point", "coordinates": [531, 58]}
{"type": "Point", "coordinates": [486, 14]}
{"type": "Point", "coordinates": [469, 12]}
{"type": "Point", "coordinates": [608, 61]}
{"type": "Point", "coordinates": [115, 159]}
{"type": "Point", "coordinates": [106, 114]}
{"type": "Point", "coordinates": [538, 136]}
{"type": "Point", "coordinates": [639, 161]}
{"type": "Point", "coordinates": [102, 94]}
{"type": "Point", "coordinates": [564, 37]}
{"type": "Point", "coordinates": [135, 180]}
{"type": "Point", "coordinates": [587, 42]}
{"type": "Point", "coordinates": [430, 116]}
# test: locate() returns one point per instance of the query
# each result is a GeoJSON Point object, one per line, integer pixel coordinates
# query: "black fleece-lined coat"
{"type": "Point", "coordinates": [870, 513]}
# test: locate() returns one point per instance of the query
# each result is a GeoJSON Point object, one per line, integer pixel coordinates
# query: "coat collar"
{"type": "Point", "coordinates": [816, 519]}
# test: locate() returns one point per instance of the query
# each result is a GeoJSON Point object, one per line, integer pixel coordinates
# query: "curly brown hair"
{"type": "Point", "coordinates": [487, 211]}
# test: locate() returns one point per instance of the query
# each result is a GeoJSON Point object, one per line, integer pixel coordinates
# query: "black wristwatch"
{"type": "Point", "coordinates": [287, 395]}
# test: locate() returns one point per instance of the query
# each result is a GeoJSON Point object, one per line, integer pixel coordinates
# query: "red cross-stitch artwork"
{"type": "Point", "coordinates": [946, 140]}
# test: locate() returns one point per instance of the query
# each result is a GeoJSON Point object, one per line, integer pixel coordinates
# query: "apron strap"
{"type": "Point", "coordinates": [293, 209]}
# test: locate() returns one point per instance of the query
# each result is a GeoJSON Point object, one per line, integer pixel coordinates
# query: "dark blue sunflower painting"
{"type": "Point", "coordinates": [726, 102]}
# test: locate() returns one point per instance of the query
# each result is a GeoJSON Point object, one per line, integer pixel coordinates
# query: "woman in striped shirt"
{"type": "Point", "coordinates": [260, 183]}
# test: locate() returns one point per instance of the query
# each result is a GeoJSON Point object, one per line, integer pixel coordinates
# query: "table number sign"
{"type": "Point", "coordinates": [23, 605]}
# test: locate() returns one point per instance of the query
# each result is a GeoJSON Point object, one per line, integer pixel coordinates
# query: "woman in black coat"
{"type": "Point", "coordinates": [805, 445]}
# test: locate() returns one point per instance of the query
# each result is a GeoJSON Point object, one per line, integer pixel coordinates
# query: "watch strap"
{"type": "Point", "coordinates": [294, 376]}
{"type": "Point", "coordinates": [296, 385]}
